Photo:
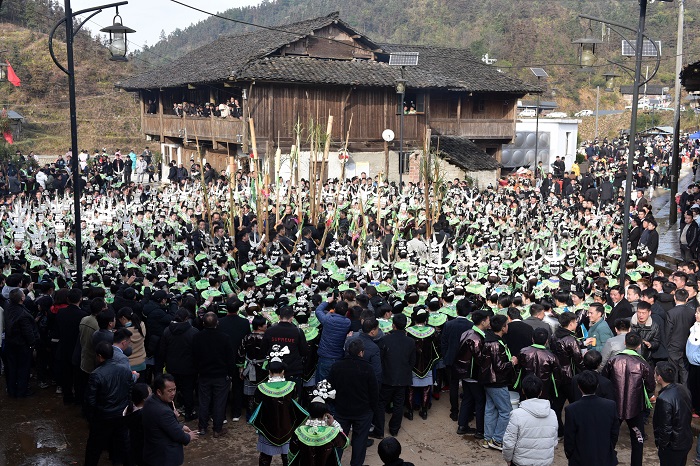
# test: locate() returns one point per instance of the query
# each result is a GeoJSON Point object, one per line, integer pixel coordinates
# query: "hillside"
{"type": "Point", "coordinates": [520, 34]}
{"type": "Point", "coordinates": [106, 117]}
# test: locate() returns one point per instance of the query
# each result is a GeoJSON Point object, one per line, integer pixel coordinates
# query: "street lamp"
{"type": "Point", "coordinates": [638, 53]}
{"type": "Point", "coordinates": [402, 59]}
{"type": "Point", "coordinates": [401, 91]}
{"type": "Point", "coordinates": [117, 38]}
{"type": "Point", "coordinates": [118, 49]}
{"type": "Point", "coordinates": [540, 73]}
{"type": "Point", "coordinates": [610, 80]}
{"type": "Point", "coordinates": [587, 45]}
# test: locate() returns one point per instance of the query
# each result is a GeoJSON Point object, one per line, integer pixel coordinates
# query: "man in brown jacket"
{"type": "Point", "coordinates": [633, 384]}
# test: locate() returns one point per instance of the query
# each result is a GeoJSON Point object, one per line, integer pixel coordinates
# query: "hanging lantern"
{"type": "Point", "coordinates": [117, 38]}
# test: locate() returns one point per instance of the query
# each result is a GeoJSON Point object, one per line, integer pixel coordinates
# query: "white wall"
{"type": "Point", "coordinates": [551, 130]}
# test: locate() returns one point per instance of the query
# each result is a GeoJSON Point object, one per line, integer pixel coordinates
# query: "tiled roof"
{"type": "Point", "coordinates": [462, 152]}
{"type": "Point", "coordinates": [249, 56]}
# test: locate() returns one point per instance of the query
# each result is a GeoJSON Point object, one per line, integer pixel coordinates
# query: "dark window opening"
{"type": "Point", "coordinates": [479, 105]}
{"type": "Point", "coordinates": [413, 103]}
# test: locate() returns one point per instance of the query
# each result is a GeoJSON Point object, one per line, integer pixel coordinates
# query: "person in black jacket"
{"type": "Point", "coordinates": [449, 345]}
{"type": "Point", "coordinates": [519, 333]}
{"type": "Point", "coordinates": [672, 418]}
{"type": "Point", "coordinates": [215, 362]}
{"type": "Point", "coordinates": [591, 421]}
{"type": "Point", "coordinates": [164, 437]}
{"type": "Point", "coordinates": [157, 320]}
{"type": "Point", "coordinates": [679, 320]}
{"type": "Point", "coordinates": [398, 359]}
{"type": "Point", "coordinates": [356, 397]}
{"type": "Point", "coordinates": [286, 341]}
{"type": "Point", "coordinates": [68, 323]}
{"type": "Point", "coordinates": [591, 361]}
{"type": "Point", "coordinates": [21, 336]}
{"type": "Point", "coordinates": [133, 420]}
{"type": "Point", "coordinates": [235, 328]}
{"type": "Point", "coordinates": [621, 308]}
{"type": "Point", "coordinates": [107, 396]}
{"type": "Point", "coordinates": [175, 354]}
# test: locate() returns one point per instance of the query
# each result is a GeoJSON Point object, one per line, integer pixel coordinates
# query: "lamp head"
{"type": "Point", "coordinates": [117, 38]}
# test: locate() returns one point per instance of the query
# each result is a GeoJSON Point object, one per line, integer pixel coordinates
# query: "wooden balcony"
{"type": "Point", "coordinates": [474, 128]}
{"type": "Point", "coordinates": [209, 129]}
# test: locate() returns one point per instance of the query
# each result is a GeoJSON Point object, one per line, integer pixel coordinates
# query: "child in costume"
{"type": "Point", "coordinates": [318, 440]}
{"type": "Point", "coordinates": [278, 414]}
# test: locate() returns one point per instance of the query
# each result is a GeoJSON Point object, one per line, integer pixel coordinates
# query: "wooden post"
{"type": "Point", "coordinates": [160, 113]}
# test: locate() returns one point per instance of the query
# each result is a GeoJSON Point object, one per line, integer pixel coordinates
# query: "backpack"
{"type": "Point", "coordinates": [49, 182]}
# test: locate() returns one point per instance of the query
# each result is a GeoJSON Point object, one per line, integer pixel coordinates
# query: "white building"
{"type": "Point", "coordinates": [555, 137]}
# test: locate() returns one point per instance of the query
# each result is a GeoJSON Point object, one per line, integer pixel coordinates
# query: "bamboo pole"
{"type": "Point", "coordinates": [253, 142]}
{"type": "Point", "coordinates": [345, 151]}
{"type": "Point", "coordinates": [205, 188]}
{"type": "Point", "coordinates": [312, 173]}
{"type": "Point", "coordinates": [292, 151]}
{"type": "Point", "coordinates": [326, 150]}
{"type": "Point", "coordinates": [327, 147]}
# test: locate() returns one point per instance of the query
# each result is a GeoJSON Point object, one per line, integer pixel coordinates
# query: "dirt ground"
{"type": "Point", "coordinates": [41, 431]}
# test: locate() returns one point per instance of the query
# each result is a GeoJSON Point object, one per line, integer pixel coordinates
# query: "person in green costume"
{"type": "Point", "coordinates": [426, 355]}
{"type": "Point", "coordinates": [278, 414]}
{"type": "Point", "coordinates": [318, 440]}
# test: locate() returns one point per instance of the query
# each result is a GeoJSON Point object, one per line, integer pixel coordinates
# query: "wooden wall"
{"type": "Point", "coordinates": [277, 109]}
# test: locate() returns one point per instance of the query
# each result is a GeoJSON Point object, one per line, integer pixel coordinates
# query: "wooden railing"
{"type": "Point", "coordinates": [474, 129]}
{"type": "Point", "coordinates": [211, 129]}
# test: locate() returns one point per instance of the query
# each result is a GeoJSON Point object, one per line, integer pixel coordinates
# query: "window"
{"type": "Point", "coordinates": [479, 105]}
{"type": "Point", "coordinates": [414, 103]}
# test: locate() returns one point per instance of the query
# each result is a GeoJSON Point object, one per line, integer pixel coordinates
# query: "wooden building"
{"type": "Point", "coordinates": [308, 70]}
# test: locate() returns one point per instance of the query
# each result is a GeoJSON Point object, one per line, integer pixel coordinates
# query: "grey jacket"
{"type": "Point", "coordinates": [531, 434]}
{"type": "Point", "coordinates": [612, 347]}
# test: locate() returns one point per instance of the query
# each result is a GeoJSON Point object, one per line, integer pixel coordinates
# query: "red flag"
{"type": "Point", "coordinates": [8, 137]}
{"type": "Point", "coordinates": [12, 77]}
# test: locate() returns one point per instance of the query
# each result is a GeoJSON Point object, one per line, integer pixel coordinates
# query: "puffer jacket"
{"type": "Point", "coordinates": [335, 331]}
{"type": "Point", "coordinates": [495, 366]}
{"type": "Point", "coordinates": [648, 332]}
{"type": "Point", "coordinates": [566, 348]}
{"type": "Point", "coordinates": [175, 349]}
{"type": "Point", "coordinates": [531, 434]}
{"type": "Point", "coordinates": [109, 390]}
{"type": "Point", "coordinates": [544, 364]}
{"type": "Point", "coordinates": [672, 418]}
{"type": "Point", "coordinates": [630, 375]}
{"type": "Point", "coordinates": [466, 362]}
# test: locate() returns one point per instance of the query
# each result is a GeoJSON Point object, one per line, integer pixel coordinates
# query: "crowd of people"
{"type": "Point", "coordinates": [227, 109]}
{"type": "Point", "coordinates": [344, 303]}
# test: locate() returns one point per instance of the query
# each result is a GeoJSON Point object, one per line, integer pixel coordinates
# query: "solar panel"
{"type": "Point", "coordinates": [648, 50]}
{"type": "Point", "coordinates": [403, 59]}
{"type": "Point", "coordinates": [539, 72]}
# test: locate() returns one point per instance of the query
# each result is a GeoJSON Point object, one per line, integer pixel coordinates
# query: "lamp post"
{"type": "Point", "coordinates": [401, 91]}
{"type": "Point", "coordinates": [540, 73]}
{"type": "Point", "coordinates": [402, 60]}
{"type": "Point", "coordinates": [117, 48]}
{"type": "Point", "coordinates": [638, 50]}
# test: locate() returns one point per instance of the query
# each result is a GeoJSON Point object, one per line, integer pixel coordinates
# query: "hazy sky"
{"type": "Point", "coordinates": [149, 17]}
